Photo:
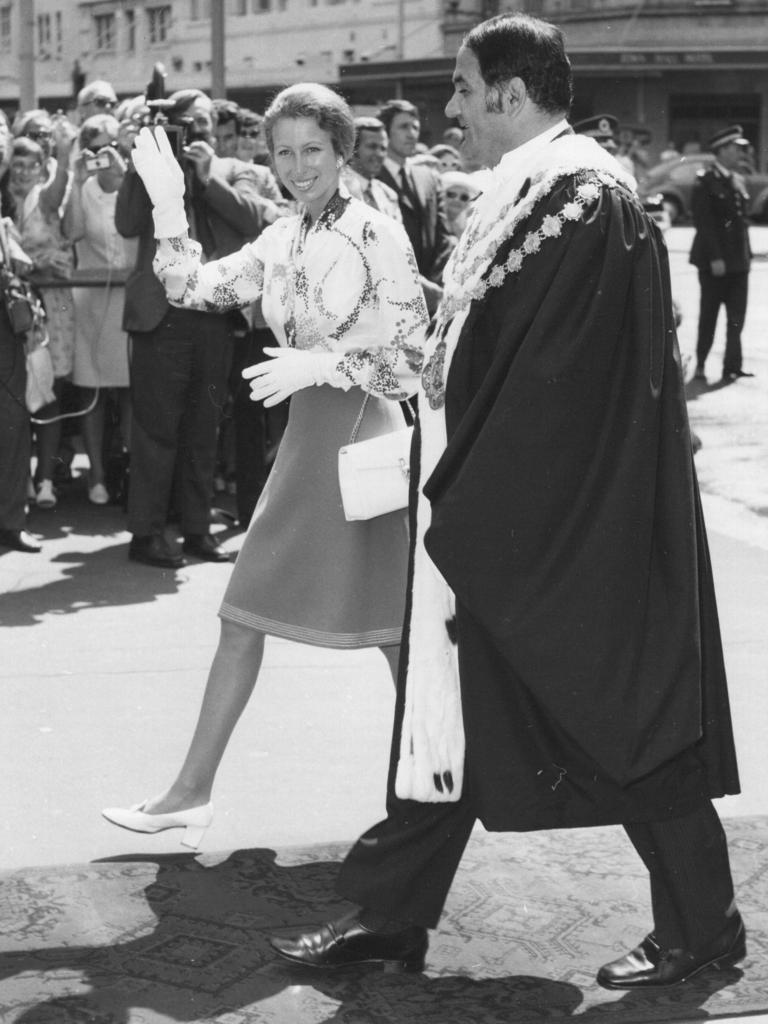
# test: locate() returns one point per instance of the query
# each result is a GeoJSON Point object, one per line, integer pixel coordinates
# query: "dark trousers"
{"type": "Point", "coordinates": [404, 866]}
{"type": "Point", "coordinates": [15, 437]}
{"type": "Point", "coordinates": [730, 291]}
{"type": "Point", "coordinates": [257, 430]}
{"type": "Point", "coordinates": [178, 390]}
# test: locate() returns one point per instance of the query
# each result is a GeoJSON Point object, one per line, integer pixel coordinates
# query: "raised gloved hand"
{"type": "Point", "coordinates": [287, 371]}
{"type": "Point", "coordinates": [163, 179]}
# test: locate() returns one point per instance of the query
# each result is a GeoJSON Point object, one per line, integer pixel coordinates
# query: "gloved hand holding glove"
{"type": "Point", "coordinates": [163, 179]}
{"type": "Point", "coordinates": [287, 371]}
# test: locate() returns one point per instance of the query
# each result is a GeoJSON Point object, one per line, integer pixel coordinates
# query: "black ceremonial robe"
{"type": "Point", "coordinates": [566, 519]}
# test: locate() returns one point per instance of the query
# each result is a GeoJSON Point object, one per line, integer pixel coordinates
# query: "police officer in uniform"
{"type": "Point", "coordinates": [721, 249]}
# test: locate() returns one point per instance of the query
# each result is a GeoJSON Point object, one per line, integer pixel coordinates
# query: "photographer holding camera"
{"type": "Point", "coordinates": [180, 358]}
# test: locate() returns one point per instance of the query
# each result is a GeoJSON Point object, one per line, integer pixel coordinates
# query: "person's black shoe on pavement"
{"type": "Point", "coordinates": [650, 966]}
{"type": "Point", "coordinates": [20, 540]}
{"type": "Point", "coordinates": [348, 942]}
{"type": "Point", "coordinates": [729, 376]}
{"type": "Point", "coordinates": [154, 549]}
{"type": "Point", "coordinates": [204, 547]}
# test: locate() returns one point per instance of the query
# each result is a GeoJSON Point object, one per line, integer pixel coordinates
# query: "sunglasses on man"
{"type": "Point", "coordinates": [463, 197]}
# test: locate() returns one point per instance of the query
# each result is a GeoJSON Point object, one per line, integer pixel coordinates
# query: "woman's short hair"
{"type": "Point", "coordinates": [443, 149]}
{"type": "Point", "coordinates": [99, 124]}
{"type": "Point", "coordinates": [24, 120]}
{"type": "Point", "coordinates": [520, 46]}
{"type": "Point", "coordinates": [323, 105]}
{"type": "Point", "coordinates": [23, 146]}
{"type": "Point", "coordinates": [183, 99]}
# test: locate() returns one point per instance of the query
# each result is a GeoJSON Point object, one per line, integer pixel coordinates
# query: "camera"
{"type": "Point", "coordinates": [97, 161]}
{"type": "Point", "coordinates": [179, 134]}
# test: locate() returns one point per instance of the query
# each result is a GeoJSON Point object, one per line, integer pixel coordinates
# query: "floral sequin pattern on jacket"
{"type": "Point", "coordinates": [347, 283]}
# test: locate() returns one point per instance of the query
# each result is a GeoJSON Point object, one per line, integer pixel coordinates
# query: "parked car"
{"type": "Point", "coordinates": [674, 180]}
{"type": "Point", "coordinates": [657, 210]}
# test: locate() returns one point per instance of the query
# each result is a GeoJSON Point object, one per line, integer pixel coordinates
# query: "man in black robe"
{"type": "Point", "coordinates": [563, 516]}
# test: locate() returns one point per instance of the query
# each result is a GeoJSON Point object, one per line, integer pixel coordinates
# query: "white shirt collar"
{"type": "Point", "coordinates": [393, 167]}
{"type": "Point", "coordinates": [514, 167]}
{"type": "Point", "coordinates": [522, 154]}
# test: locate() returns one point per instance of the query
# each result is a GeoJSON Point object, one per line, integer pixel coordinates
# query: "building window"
{"type": "Point", "coordinates": [130, 29]}
{"type": "Point", "coordinates": [59, 29]}
{"type": "Point", "coordinates": [199, 10]}
{"type": "Point", "coordinates": [5, 27]}
{"type": "Point", "coordinates": [158, 23]}
{"type": "Point", "coordinates": [104, 30]}
{"type": "Point", "coordinates": [239, 7]}
{"type": "Point", "coordinates": [261, 6]}
{"type": "Point", "coordinates": [44, 33]}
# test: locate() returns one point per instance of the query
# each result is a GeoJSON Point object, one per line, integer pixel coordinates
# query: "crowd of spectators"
{"type": "Point", "coordinates": [151, 394]}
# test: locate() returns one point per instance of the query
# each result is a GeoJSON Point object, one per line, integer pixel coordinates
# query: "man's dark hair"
{"type": "Point", "coordinates": [183, 99]}
{"type": "Point", "coordinates": [520, 46]}
{"type": "Point", "coordinates": [247, 118]}
{"type": "Point", "coordinates": [226, 111]}
{"type": "Point", "coordinates": [367, 124]}
{"type": "Point", "coordinates": [387, 113]}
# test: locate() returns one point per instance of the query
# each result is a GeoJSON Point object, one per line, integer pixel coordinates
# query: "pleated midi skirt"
{"type": "Point", "coordinates": [304, 573]}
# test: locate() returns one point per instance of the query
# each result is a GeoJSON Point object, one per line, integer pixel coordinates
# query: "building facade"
{"type": "Point", "coordinates": [676, 69]}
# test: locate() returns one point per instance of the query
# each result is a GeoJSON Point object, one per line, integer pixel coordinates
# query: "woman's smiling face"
{"type": "Point", "coordinates": [306, 161]}
{"type": "Point", "coordinates": [24, 174]}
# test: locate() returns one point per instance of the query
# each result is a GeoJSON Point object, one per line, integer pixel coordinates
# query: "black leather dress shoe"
{"type": "Point", "coordinates": [650, 966]}
{"type": "Point", "coordinates": [347, 942]}
{"type": "Point", "coordinates": [20, 540]}
{"type": "Point", "coordinates": [204, 547]}
{"type": "Point", "coordinates": [155, 550]}
{"type": "Point", "coordinates": [729, 376]}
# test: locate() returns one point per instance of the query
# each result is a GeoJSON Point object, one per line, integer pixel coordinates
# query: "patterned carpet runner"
{"type": "Point", "coordinates": [137, 940]}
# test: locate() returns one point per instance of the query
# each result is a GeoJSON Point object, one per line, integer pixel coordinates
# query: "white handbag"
{"type": "Point", "coordinates": [373, 474]}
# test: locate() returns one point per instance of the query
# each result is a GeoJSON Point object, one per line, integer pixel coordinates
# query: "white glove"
{"type": "Point", "coordinates": [163, 179]}
{"type": "Point", "coordinates": [288, 370]}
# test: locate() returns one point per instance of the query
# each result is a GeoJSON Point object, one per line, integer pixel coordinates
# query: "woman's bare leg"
{"type": "Point", "coordinates": [392, 654]}
{"type": "Point", "coordinates": [231, 679]}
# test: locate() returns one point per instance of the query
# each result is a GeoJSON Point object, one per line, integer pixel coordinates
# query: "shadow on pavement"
{"type": "Point", "coordinates": [93, 578]}
{"type": "Point", "coordinates": [696, 389]}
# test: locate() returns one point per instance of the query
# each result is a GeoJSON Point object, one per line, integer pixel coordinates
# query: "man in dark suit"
{"type": "Point", "coordinates": [180, 358]}
{"type": "Point", "coordinates": [256, 431]}
{"type": "Point", "coordinates": [420, 194]}
{"type": "Point", "coordinates": [721, 249]}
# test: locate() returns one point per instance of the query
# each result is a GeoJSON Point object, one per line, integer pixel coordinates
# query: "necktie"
{"type": "Point", "coordinates": [369, 196]}
{"type": "Point", "coordinates": [406, 187]}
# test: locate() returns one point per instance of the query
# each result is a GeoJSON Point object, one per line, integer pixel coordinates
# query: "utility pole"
{"type": "Point", "coordinates": [400, 45]}
{"type": "Point", "coordinates": [27, 88]}
{"type": "Point", "coordinates": [218, 74]}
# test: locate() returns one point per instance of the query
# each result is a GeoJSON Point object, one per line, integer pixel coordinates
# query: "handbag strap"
{"type": "Point", "coordinates": [408, 403]}
{"type": "Point", "coordinates": [359, 420]}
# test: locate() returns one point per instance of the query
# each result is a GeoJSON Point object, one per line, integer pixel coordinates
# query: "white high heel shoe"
{"type": "Point", "coordinates": [194, 821]}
